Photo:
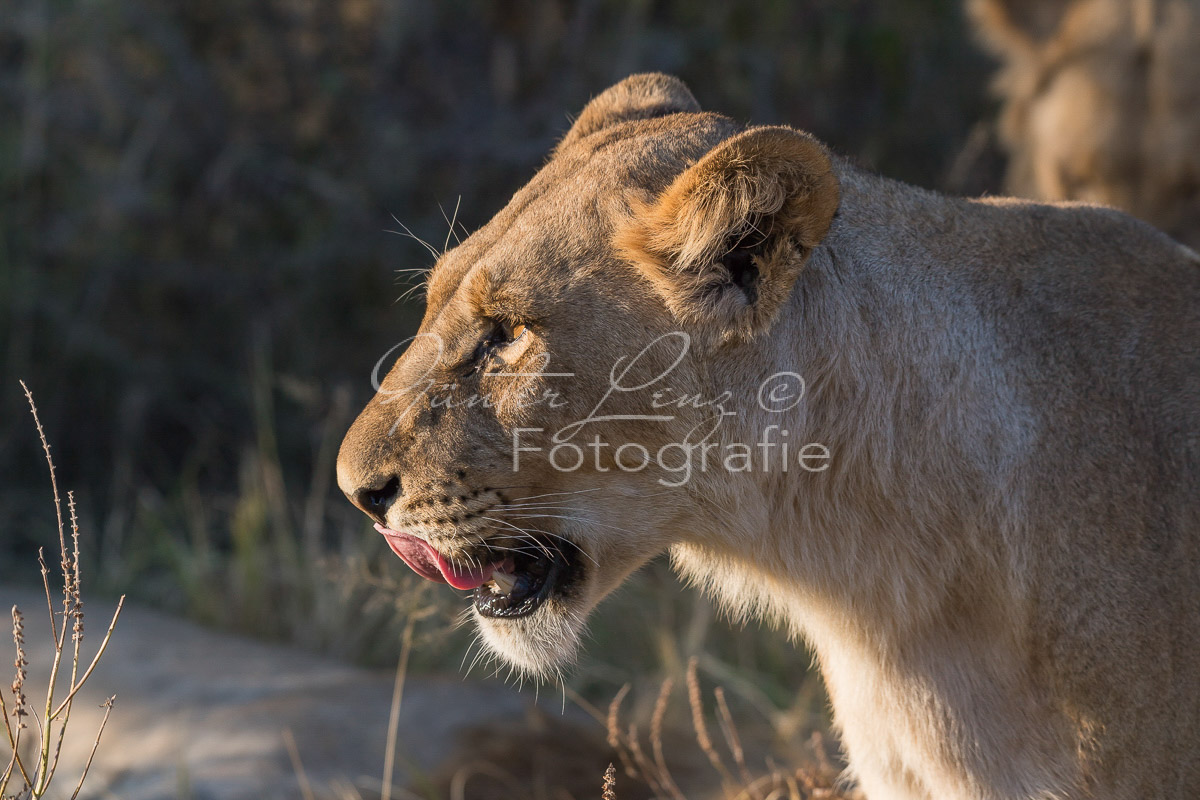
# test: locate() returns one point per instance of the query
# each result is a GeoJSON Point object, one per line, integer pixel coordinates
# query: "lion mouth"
{"type": "Point", "coordinates": [524, 581]}
{"type": "Point", "coordinates": [506, 582]}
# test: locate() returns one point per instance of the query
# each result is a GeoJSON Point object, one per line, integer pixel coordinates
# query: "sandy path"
{"type": "Point", "coordinates": [201, 714]}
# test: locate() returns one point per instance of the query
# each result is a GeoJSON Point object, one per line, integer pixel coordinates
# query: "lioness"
{"type": "Point", "coordinates": [952, 444]}
{"type": "Point", "coordinates": [1101, 102]}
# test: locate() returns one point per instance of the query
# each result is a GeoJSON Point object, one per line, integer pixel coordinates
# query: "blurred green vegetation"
{"type": "Point", "coordinates": [197, 277]}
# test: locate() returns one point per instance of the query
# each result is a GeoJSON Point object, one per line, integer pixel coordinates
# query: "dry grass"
{"type": "Point", "coordinates": [32, 767]}
{"type": "Point", "coordinates": [815, 778]}
{"type": "Point", "coordinates": [609, 789]}
{"type": "Point", "coordinates": [652, 754]}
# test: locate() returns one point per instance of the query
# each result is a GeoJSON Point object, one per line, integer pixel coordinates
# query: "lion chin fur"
{"type": "Point", "coordinates": [995, 556]}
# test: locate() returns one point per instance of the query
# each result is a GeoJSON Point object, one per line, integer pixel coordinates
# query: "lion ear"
{"type": "Point", "coordinates": [1016, 28]}
{"type": "Point", "coordinates": [644, 96]}
{"type": "Point", "coordinates": [723, 245]}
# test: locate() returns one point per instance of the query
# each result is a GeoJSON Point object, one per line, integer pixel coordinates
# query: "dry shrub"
{"type": "Point", "coordinates": [538, 756]}
{"type": "Point", "coordinates": [677, 757]}
{"type": "Point", "coordinates": [816, 778]}
{"type": "Point", "coordinates": [31, 767]}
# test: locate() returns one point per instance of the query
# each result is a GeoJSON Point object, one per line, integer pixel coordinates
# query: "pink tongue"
{"type": "Point", "coordinates": [430, 564]}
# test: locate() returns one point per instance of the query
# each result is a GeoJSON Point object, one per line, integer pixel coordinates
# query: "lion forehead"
{"type": "Point", "coordinates": [563, 219]}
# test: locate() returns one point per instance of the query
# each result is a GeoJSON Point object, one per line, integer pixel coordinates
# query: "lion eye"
{"type": "Point", "coordinates": [507, 333]}
{"type": "Point", "coordinates": [502, 335]}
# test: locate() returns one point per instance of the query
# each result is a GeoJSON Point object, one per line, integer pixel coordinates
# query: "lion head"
{"type": "Point", "coordinates": [535, 442]}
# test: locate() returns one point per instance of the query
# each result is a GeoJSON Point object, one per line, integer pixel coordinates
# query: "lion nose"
{"type": "Point", "coordinates": [375, 502]}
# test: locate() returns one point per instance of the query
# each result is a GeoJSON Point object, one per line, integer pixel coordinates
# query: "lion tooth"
{"type": "Point", "coordinates": [503, 582]}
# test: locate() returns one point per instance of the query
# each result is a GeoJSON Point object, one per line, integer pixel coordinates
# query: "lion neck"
{"type": "Point", "coordinates": [896, 358]}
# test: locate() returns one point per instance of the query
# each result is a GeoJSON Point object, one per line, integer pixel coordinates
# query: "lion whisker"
{"type": "Point", "coordinates": [450, 222]}
{"type": "Point", "coordinates": [408, 232]}
{"type": "Point", "coordinates": [551, 494]}
{"type": "Point", "coordinates": [523, 533]}
{"type": "Point", "coordinates": [577, 519]}
{"type": "Point", "coordinates": [555, 536]}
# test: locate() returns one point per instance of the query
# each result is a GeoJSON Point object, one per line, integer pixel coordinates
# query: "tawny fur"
{"type": "Point", "coordinates": [999, 572]}
{"type": "Point", "coordinates": [1101, 102]}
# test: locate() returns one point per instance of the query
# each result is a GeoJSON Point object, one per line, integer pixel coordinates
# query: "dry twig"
{"type": "Point", "coordinates": [701, 727]}
{"type": "Point", "coordinates": [34, 779]}
{"type": "Point", "coordinates": [610, 783]}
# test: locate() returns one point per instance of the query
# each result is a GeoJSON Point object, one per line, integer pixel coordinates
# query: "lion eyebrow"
{"type": "Point", "coordinates": [494, 302]}
{"type": "Point", "coordinates": [479, 286]}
